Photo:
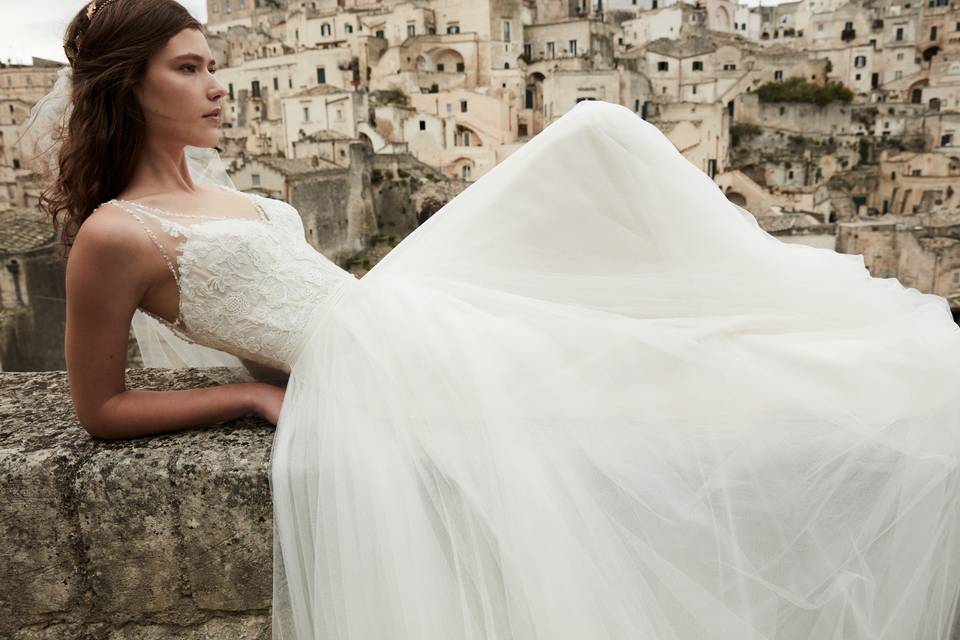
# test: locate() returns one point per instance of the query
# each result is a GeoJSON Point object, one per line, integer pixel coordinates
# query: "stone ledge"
{"type": "Point", "coordinates": [168, 536]}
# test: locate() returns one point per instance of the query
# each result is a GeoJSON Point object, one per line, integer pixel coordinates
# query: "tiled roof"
{"type": "Point", "coordinates": [296, 166]}
{"type": "Point", "coordinates": [325, 134]}
{"type": "Point", "coordinates": [318, 90]}
{"type": "Point", "coordinates": [682, 48]}
{"type": "Point", "coordinates": [24, 229]}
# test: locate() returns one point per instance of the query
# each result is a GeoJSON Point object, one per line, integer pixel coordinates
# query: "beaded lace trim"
{"type": "Point", "coordinates": [178, 326]}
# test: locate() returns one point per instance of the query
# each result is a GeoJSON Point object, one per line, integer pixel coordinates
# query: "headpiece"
{"type": "Point", "coordinates": [92, 10]}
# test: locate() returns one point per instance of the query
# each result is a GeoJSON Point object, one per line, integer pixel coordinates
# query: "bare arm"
{"type": "Point", "coordinates": [107, 275]}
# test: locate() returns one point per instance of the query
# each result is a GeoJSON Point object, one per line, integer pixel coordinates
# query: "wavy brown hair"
{"type": "Point", "coordinates": [101, 142]}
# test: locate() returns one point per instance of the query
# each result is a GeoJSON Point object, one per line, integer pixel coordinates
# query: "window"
{"type": "Point", "coordinates": [899, 33]}
{"type": "Point", "coordinates": [900, 56]}
{"type": "Point", "coordinates": [573, 47]}
{"type": "Point", "coordinates": [729, 66]}
{"type": "Point", "coordinates": [453, 28]}
{"type": "Point", "coordinates": [348, 28]}
{"type": "Point", "coordinates": [460, 67]}
{"type": "Point", "coordinates": [956, 278]}
{"type": "Point", "coordinates": [276, 83]}
{"type": "Point", "coordinates": [215, 7]}
{"type": "Point", "coordinates": [933, 32]}
{"type": "Point", "coordinates": [506, 31]}
{"type": "Point", "coordinates": [449, 107]}
{"type": "Point", "coordinates": [946, 140]}
{"type": "Point", "coordinates": [915, 172]}
{"type": "Point", "coordinates": [663, 65]}
{"type": "Point", "coordinates": [255, 179]}
{"type": "Point", "coordinates": [255, 88]}
{"type": "Point", "coordinates": [550, 50]}
{"type": "Point", "coordinates": [423, 125]}
{"type": "Point", "coordinates": [440, 66]}
{"type": "Point", "coordinates": [379, 33]}
{"type": "Point", "coordinates": [698, 65]}
{"type": "Point", "coordinates": [325, 29]}
{"type": "Point", "coordinates": [230, 90]}
{"type": "Point", "coordinates": [860, 61]}
{"type": "Point", "coordinates": [226, 6]}
{"type": "Point", "coordinates": [465, 172]}
{"type": "Point", "coordinates": [321, 75]}
{"type": "Point", "coordinates": [528, 51]}
{"type": "Point", "coordinates": [466, 138]}
{"type": "Point", "coordinates": [463, 106]}
{"type": "Point", "coordinates": [241, 4]}
{"type": "Point", "coordinates": [306, 114]}
{"type": "Point", "coordinates": [778, 74]}
{"type": "Point", "coordinates": [411, 30]}
{"type": "Point", "coordinates": [290, 83]}
{"type": "Point", "coordinates": [897, 74]}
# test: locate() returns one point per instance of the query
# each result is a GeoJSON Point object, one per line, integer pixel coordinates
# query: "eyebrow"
{"type": "Point", "coordinates": [192, 56]}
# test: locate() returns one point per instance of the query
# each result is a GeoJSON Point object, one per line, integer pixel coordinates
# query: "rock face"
{"type": "Point", "coordinates": [168, 536]}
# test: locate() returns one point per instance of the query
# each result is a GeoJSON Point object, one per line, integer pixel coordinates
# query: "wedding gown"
{"type": "Point", "coordinates": [591, 399]}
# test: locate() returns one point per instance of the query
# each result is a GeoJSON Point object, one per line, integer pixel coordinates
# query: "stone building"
{"type": "Point", "coordinates": [317, 109]}
{"type": "Point", "coordinates": [335, 203]}
{"type": "Point", "coordinates": [924, 254]}
{"type": "Point", "coordinates": [28, 83]}
{"type": "Point", "coordinates": [32, 293]}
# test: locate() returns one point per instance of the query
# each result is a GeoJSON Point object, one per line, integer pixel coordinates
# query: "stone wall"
{"type": "Point", "coordinates": [162, 537]}
{"type": "Point", "coordinates": [31, 333]}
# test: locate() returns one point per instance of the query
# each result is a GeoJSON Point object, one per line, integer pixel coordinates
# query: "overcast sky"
{"type": "Point", "coordinates": [35, 27]}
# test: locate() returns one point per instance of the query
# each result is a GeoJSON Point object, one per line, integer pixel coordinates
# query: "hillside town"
{"type": "Point", "coordinates": [835, 123]}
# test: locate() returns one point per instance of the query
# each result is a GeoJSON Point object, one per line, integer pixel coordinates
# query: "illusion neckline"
{"type": "Point", "coordinates": [263, 216]}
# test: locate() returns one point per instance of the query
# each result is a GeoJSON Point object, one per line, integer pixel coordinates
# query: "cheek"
{"type": "Point", "coordinates": [169, 97]}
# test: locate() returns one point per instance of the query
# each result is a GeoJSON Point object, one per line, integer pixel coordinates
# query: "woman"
{"type": "Point", "coordinates": [589, 398]}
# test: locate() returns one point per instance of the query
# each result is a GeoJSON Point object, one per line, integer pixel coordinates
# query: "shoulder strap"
{"type": "Point", "coordinates": [153, 236]}
{"type": "Point", "coordinates": [166, 236]}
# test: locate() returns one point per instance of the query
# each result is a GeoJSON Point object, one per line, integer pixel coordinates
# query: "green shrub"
{"type": "Point", "coordinates": [798, 89]}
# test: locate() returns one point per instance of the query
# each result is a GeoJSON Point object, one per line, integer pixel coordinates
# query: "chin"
{"type": "Point", "coordinates": [206, 141]}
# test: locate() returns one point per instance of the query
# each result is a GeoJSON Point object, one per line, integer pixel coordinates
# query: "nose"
{"type": "Point", "coordinates": [217, 91]}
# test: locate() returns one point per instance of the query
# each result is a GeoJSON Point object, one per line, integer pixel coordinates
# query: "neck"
{"type": "Point", "coordinates": [161, 168]}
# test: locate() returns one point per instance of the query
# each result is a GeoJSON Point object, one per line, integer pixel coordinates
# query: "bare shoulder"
{"type": "Point", "coordinates": [110, 240]}
{"type": "Point", "coordinates": [110, 230]}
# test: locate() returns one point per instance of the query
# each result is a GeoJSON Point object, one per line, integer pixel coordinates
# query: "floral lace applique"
{"type": "Point", "coordinates": [247, 286]}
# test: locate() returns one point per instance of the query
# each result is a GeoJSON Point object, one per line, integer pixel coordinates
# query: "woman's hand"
{"type": "Point", "coordinates": [267, 401]}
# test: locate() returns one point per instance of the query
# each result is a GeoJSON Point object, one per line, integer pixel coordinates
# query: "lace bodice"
{"type": "Point", "coordinates": [248, 286]}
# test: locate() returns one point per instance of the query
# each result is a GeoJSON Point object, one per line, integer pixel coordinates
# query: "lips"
{"type": "Point", "coordinates": [210, 114]}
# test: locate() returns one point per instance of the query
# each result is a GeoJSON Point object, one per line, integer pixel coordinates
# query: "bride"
{"type": "Point", "coordinates": [588, 399]}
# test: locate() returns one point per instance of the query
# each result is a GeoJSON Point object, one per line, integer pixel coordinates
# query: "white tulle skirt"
{"type": "Point", "coordinates": [590, 399]}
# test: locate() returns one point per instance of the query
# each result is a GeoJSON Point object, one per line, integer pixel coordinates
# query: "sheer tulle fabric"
{"type": "Point", "coordinates": [590, 398]}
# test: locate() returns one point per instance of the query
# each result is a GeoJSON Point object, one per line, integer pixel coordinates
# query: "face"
{"type": "Point", "coordinates": [179, 91]}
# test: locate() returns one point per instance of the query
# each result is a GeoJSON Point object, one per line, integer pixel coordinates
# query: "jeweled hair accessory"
{"type": "Point", "coordinates": [93, 7]}
{"type": "Point", "coordinates": [92, 10]}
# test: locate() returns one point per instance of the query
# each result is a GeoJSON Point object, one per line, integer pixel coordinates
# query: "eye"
{"type": "Point", "coordinates": [188, 66]}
